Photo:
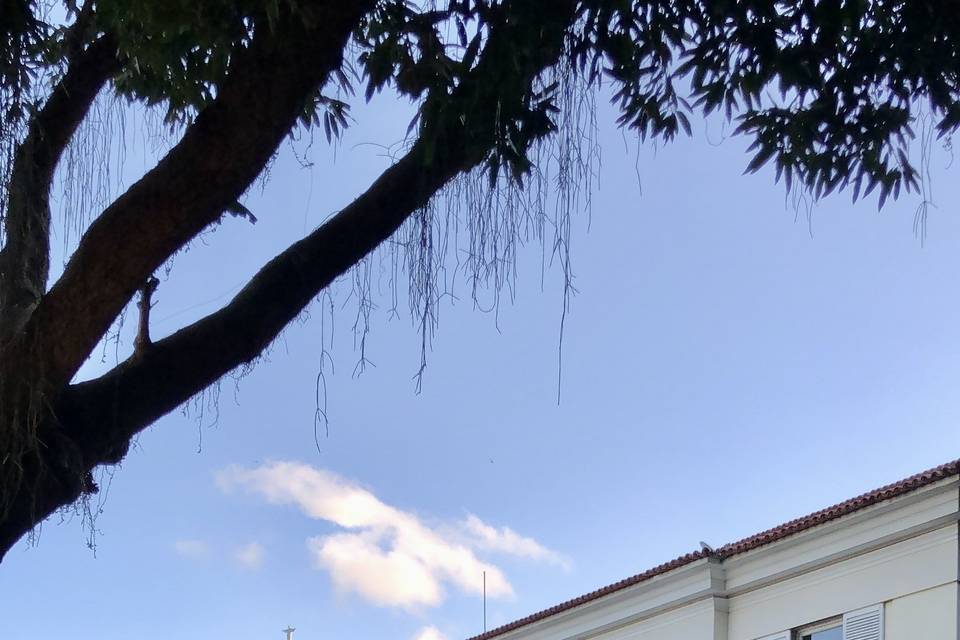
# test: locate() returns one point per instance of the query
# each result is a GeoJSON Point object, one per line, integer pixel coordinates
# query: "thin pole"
{"type": "Point", "coordinates": [484, 601]}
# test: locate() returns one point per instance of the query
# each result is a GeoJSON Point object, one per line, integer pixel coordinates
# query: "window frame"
{"type": "Point", "coordinates": [834, 622]}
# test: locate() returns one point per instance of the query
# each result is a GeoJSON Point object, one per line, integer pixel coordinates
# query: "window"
{"type": "Point", "coordinates": [863, 624]}
{"type": "Point", "coordinates": [828, 630]}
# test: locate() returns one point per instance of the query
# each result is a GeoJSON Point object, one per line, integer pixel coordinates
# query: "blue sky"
{"type": "Point", "coordinates": [728, 365]}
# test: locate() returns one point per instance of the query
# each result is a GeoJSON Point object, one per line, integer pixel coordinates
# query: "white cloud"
{"type": "Point", "coordinates": [429, 633]}
{"type": "Point", "coordinates": [191, 548]}
{"type": "Point", "coordinates": [386, 555]}
{"type": "Point", "coordinates": [506, 540]}
{"type": "Point", "coordinates": [356, 562]}
{"type": "Point", "coordinates": [250, 555]}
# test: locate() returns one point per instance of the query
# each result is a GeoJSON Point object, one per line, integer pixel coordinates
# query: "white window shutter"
{"type": "Point", "coordinates": [783, 635]}
{"type": "Point", "coordinates": [864, 624]}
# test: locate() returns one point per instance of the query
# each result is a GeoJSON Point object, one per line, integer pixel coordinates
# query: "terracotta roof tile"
{"type": "Point", "coordinates": [747, 544]}
{"type": "Point", "coordinates": [838, 510]}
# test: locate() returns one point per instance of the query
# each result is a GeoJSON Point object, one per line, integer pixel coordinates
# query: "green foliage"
{"type": "Point", "coordinates": [21, 36]}
{"type": "Point", "coordinates": [827, 89]}
{"type": "Point", "coordinates": [425, 55]}
{"type": "Point", "coordinates": [178, 52]}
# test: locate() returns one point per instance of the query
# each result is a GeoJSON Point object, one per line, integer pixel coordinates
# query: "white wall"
{"type": "Point", "coordinates": [905, 568]}
{"type": "Point", "coordinates": [926, 615]}
{"type": "Point", "coordinates": [693, 622]}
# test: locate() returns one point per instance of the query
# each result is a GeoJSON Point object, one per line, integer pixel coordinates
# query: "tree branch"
{"type": "Point", "coordinates": [218, 157]}
{"type": "Point", "coordinates": [105, 413]}
{"type": "Point", "coordinates": [25, 258]}
{"type": "Point", "coordinates": [96, 419]}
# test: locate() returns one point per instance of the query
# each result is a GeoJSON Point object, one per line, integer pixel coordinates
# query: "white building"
{"type": "Point", "coordinates": [881, 566]}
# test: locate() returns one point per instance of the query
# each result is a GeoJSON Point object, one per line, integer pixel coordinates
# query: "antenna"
{"type": "Point", "coordinates": [289, 631]}
{"type": "Point", "coordinates": [484, 602]}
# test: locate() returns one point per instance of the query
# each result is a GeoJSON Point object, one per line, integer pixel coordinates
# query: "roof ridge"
{"type": "Point", "coordinates": [774, 534]}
